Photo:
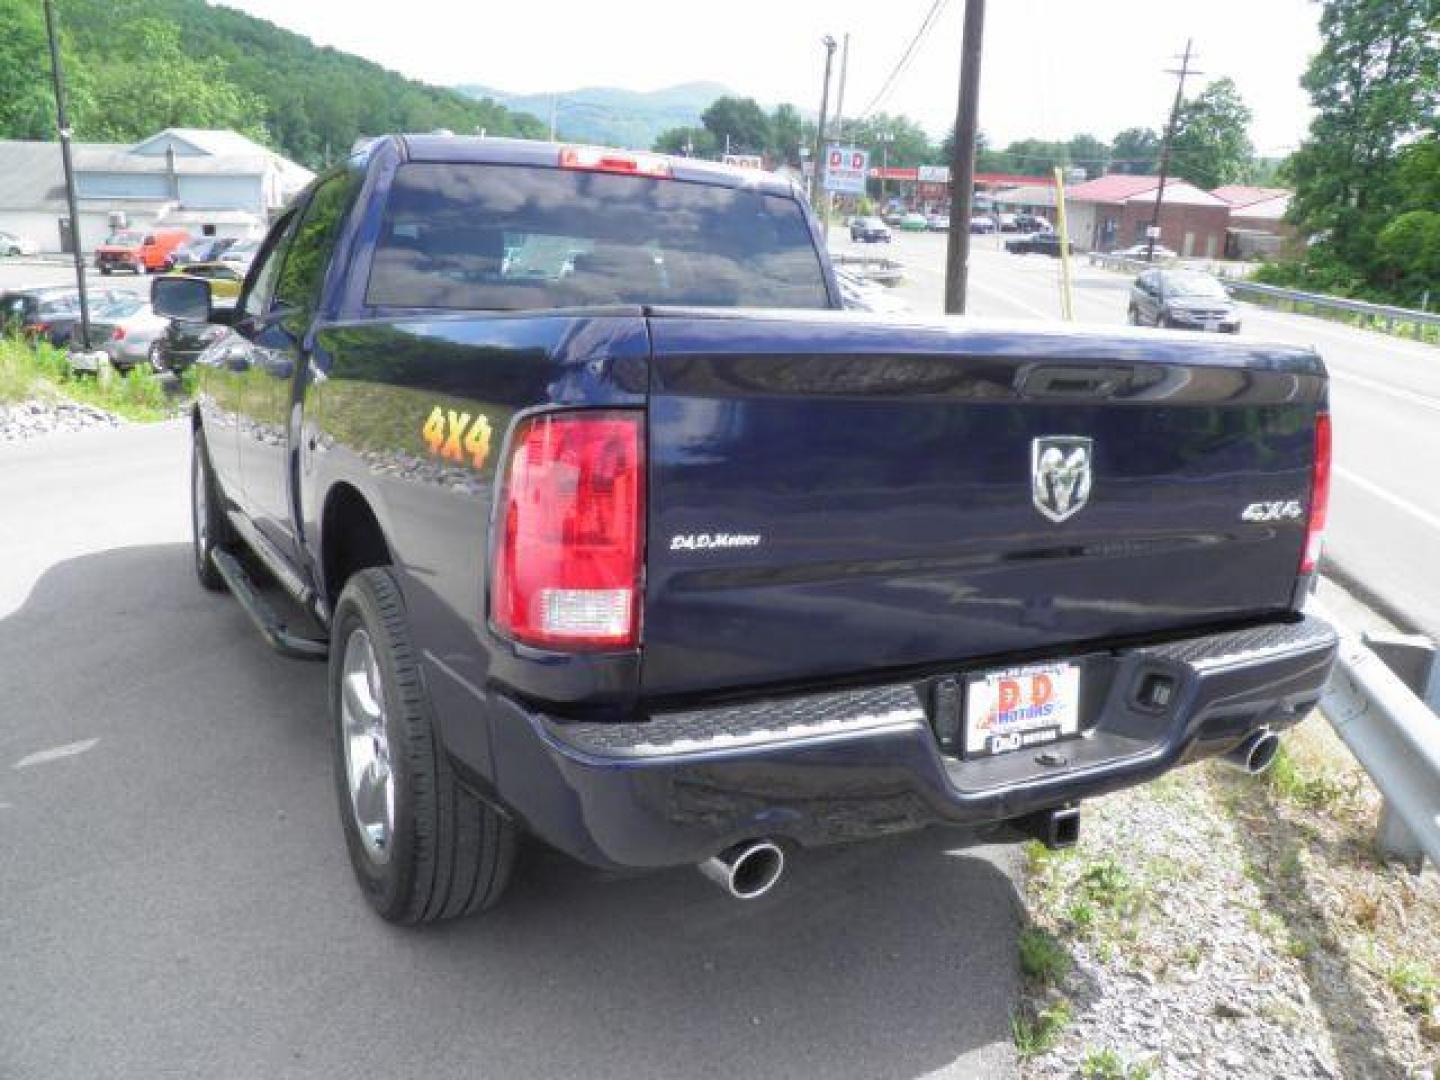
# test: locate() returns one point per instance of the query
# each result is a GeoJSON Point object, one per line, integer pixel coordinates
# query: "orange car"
{"type": "Point", "coordinates": [138, 251]}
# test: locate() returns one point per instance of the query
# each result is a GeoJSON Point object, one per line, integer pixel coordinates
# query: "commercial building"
{"type": "Point", "coordinates": [1115, 212]}
{"type": "Point", "coordinates": [1257, 221]}
{"type": "Point", "coordinates": [214, 183]}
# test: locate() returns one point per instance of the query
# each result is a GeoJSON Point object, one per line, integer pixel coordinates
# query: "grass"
{"type": "Point", "coordinates": [1042, 956]}
{"type": "Point", "coordinates": [1106, 1064]}
{"type": "Point", "coordinates": [1417, 987]}
{"type": "Point", "coordinates": [1304, 782]}
{"type": "Point", "coordinates": [1037, 1033]}
{"type": "Point", "coordinates": [40, 371]}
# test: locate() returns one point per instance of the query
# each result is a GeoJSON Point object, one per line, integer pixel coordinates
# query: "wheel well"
{"type": "Point", "coordinates": [351, 539]}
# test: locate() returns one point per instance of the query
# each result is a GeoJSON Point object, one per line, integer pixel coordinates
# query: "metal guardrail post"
{"type": "Point", "coordinates": [1413, 658]}
{"type": "Point", "coordinates": [1393, 733]}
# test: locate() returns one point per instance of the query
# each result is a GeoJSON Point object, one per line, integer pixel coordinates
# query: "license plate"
{"type": "Point", "coordinates": [1019, 708]}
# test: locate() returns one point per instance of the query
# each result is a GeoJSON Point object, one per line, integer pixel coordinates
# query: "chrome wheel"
{"type": "Point", "coordinates": [367, 746]}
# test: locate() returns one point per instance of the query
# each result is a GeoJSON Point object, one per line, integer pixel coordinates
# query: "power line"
{"type": "Point", "coordinates": [905, 57]}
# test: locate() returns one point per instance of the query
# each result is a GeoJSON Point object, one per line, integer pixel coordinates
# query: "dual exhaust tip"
{"type": "Point", "coordinates": [748, 870]}
{"type": "Point", "coordinates": [1255, 754]}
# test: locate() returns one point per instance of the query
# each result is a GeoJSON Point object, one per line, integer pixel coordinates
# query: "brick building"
{"type": "Point", "coordinates": [1115, 211]}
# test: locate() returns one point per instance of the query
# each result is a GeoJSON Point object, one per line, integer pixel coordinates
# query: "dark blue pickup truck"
{"type": "Point", "coordinates": [617, 532]}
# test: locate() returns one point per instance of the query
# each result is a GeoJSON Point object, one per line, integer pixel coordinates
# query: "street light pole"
{"type": "Point", "coordinates": [816, 185]}
{"type": "Point", "coordinates": [63, 120]}
{"type": "Point", "coordinates": [962, 160]}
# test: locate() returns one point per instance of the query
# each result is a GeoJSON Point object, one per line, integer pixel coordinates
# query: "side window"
{"type": "Point", "coordinates": [303, 274]}
{"type": "Point", "coordinates": [256, 300]}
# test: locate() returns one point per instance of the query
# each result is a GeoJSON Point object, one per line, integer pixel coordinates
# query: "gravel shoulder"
{"type": "Point", "coordinates": [40, 416]}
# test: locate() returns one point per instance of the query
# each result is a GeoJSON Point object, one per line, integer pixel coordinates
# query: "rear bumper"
{"type": "Point", "coordinates": [855, 764]}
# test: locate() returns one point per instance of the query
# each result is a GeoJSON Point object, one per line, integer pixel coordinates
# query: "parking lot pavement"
{"type": "Point", "coordinates": [175, 899]}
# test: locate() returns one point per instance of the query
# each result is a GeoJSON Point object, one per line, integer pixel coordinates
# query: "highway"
{"type": "Point", "coordinates": [1384, 529]}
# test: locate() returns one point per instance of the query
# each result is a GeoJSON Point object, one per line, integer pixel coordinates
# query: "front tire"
{"type": "Point", "coordinates": [422, 846]}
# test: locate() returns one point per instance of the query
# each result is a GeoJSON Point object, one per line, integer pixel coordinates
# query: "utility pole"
{"type": "Point", "coordinates": [63, 119]}
{"type": "Point", "coordinates": [840, 94]}
{"type": "Point", "coordinates": [816, 185]}
{"type": "Point", "coordinates": [1153, 233]}
{"type": "Point", "coordinates": [962, 160]}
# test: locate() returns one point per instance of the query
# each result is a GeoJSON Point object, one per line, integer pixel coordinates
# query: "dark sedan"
{"type": "Point", "coordinates": [1040, 243]}
{"type": "Point", "coordinates": [183, 341]}
{"type": "Point", "coordinates": [869, 230]}
{"type": "Point", "coordinates": [1183, 300]}
{"type": "Point", "coordinates": [51, 312]}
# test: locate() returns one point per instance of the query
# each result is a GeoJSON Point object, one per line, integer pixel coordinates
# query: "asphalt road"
{"type": "Point", "coordinates": [1385, 398]}
{"type": "Point", "coordinates": [175, 899]}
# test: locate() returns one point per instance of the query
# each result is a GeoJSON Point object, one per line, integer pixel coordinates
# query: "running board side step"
{"type": "Point", "coordinates": [265, 618]}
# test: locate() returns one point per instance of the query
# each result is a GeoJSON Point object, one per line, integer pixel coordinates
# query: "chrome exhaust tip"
{"type": "Point", "coordinates": [1255, 754]}
{"type": "Point", "coordinates": [748, 870]}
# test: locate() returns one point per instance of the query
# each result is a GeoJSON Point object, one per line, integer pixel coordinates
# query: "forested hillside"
{"type": "Point", "coordinates": [136, 66]}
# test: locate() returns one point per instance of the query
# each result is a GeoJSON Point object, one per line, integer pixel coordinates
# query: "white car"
{"type": "Point", "coordinates": [11, 244]}
{"type": "Point", "coordinates": [938, 222]}
{"type": "Point", "coordinates": [1140, 250]}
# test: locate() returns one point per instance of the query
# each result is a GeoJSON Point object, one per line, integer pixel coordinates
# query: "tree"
{"type": "Point", "coordinates": [689, 141]}
{"type": "Point", "coordinates": [27, 107]}
{"type": "Point", "coordinates": [787, 132]}
{"type": "Point", "coordinates": [738, 125]}
{"type": "Point", "coordinates": [1408, 253]}
{"type": "Point", "coordinates": [1089, 153]}
{"type": "Point", "coordinates": [1374, 86]}
{"type": "Point", "coordinates": [1136, 151]}
{"type": "Point", "coordinates": [1211, 145]}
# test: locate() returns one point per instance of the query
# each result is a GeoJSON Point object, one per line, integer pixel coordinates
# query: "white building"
{"type": "Point", "coordinates": [214, 183]}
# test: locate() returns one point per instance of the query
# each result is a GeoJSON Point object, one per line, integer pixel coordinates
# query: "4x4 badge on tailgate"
{"type": "Point", "coordinates": [1060, 474]}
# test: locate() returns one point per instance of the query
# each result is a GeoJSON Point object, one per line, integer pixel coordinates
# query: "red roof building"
{"type": "Point", "coordinates": [1115, 211]}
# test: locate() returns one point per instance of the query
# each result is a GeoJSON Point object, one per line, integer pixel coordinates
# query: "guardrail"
{"type": "Point", "coordinates": [1393, 732]}
{"type": "Point", "coordinates": [876, 268]}
{"type": "Point", "coordinates": [1317, 304]}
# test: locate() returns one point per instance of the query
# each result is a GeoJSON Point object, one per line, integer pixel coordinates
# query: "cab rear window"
{"type": "Point", "coordinates": [518, 238]}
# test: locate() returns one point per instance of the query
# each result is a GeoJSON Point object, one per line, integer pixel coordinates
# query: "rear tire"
{"type": "Point", "coordinates": [209, 528]}
{"type": "Point", "coordinates": [422, 846]}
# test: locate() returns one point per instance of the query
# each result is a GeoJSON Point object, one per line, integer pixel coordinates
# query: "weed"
{"type": "Point", "coordinates": [1106, 1064]}
{"type": "Point", "coordinates": [1042, 956]}
{"type": "Point", "coordinates": [1415, 985]}
{"type": "Point", "coordinates": [1108, 886]}
{"type": "Point", "coordinates": [1302, 785]}
{"type": "Point", "coordinates": [1036, 1034]}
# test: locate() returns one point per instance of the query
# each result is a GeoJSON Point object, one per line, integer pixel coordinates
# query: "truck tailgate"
{"type": "Point", "coordinates": [832, 496]}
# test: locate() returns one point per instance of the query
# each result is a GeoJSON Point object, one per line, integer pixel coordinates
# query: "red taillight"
{"type": "Point", "coordinates": [569, 532]}
{"type": "Point", "coordinates": [35, 328]}
{"type": "Point", "coordinates": [593, 159]}
{"type": "Point", "coordinates": [118, 334]}
{"type": "Point", "coordinates": [1319, 496]}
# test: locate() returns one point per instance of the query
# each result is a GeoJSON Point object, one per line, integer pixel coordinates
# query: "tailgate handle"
{"type": "Point", "coordinates": [1073, 382]}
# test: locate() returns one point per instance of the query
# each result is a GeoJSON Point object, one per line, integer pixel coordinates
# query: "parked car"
{"type": "Point", "coordinates": [14, 244]}
{"type": "Point", "coordinates": [182, 341]}
{"type": "Point", "coordinates": [913, 222]}
{"type": "Point", "coordinates": [128, 331]}
{"type": "Point", "coordinates": [1008, 222]}
{"type": "Point", "coordinates": [859, 294]}
{"type": "Point", "coordinates": [894, 218]}
{"type": "Point", "coordinates": [1038, 243]}
{"type": "Point", "coordinates": [50, 313]}
{"type": "Point", "coordinates": [982, 223]}
{"type": "Point", "coordinates": [225, 277]}
{"type": "Point", "coordinates": [241, 254]}
{"type": "Point", "coordinates": [137, 251]}
{"type": "Point", "coordinates": [1028, 223]}
{"type": "Point", "coordinates": [1142, 251]}
{"type": "Point", "coordinates": [202, 249]}
{"type": "Point", "coordinates": [937, 222]}
{"type": "Point", "coordinates": [869, 230]}
{"type": "Point", "coordinates": [1184, 300]}
{"type": "Point", "coordinates": [617, 559]}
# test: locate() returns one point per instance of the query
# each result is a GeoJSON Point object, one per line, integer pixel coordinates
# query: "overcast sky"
{"type": "Point", "coordinates": [1052, 68]}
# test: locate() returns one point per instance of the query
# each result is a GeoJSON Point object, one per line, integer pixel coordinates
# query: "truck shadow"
{"type": "Point", "coordinates": [180, 894]}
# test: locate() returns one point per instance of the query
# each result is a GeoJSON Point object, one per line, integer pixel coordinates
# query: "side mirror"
{"type": "Point", "coordinates": [185, 299]}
